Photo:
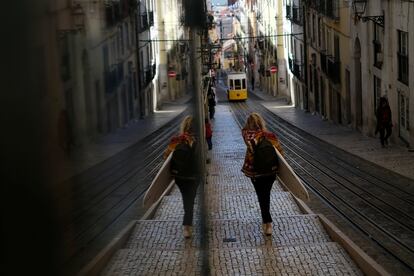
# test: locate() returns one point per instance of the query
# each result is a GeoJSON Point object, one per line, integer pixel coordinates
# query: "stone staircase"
{"type": "Point", "coordinates": [236, 244]}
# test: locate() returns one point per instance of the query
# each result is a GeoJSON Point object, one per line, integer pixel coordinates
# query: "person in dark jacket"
{"type": "Point", "coordinates": [384, 121]}
{"type": "Point", "coordinates": [209, 134]}
{"type": "Point", "coordinates": [252, 132]}
{"type": "Point", "coordinates": [211, 98]}
{"type": "Point", "coordinates": [187, 186]}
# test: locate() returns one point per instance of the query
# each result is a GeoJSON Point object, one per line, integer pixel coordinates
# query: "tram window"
{"type": "Point", "coordinates": [237, 84]}
{"type": "Point", "coordinates": [231, 85]}
{"type": "Point", "coordinates": [243, 83]}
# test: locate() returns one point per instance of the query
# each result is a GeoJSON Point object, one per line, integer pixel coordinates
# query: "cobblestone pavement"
{"type": "Point", "coordinates": [299, 244]}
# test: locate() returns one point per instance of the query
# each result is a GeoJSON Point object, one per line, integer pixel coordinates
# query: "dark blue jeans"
{"type": "Point", "coordinates": [385, 133]}
{"type": "Point", "coordinates": [188, 189]}
{"type": "Point", "coordinates": [263, 186]}
{"type": "Point", "coordinates": [211, 110]}
{"type": "Point", "coordinates": [209, 143]}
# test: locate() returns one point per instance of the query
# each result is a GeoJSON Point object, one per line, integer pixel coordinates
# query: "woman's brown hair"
{"type": "Point", "coordinates": [187, 125]}
{"type": "Point", "coordinates": [255, 122]}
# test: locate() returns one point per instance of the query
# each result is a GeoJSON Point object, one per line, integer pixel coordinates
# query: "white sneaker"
{"type": "Point", "coordinates": [187, 231]}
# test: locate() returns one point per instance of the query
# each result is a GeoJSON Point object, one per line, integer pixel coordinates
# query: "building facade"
{"type": "Point", "coordinates": [342, 61]}
{"type": "Point", "coordinates": [115, 56]}
{"type": "Point", "coordinates": [328, 72]}
{"type": "Point", "coordinates": [295, 52]}
{"type": "Point", "coordinates": [172, 49]}
{"type": "Point", "coordinates": [382, 39]}
{"type": "Point", "coordinates": [106, 80]}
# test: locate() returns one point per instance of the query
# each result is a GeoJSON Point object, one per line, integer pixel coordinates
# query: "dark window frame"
{"type": "Point", "coordinates": [377, 43]}
{"type": "Point", "coordinates": [237, 84]}
{"type": "Point", "coordinates": [377, 91]}
{"type": "Point", "coordinates": [402, 57]}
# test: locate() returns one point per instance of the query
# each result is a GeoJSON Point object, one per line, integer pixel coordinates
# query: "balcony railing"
{"type": "Point", "coordinates": [296, 68]}
{"type": "Point", "coordinates": [148, 76]}
{"type": "Point", "coordinates": [329, 8]}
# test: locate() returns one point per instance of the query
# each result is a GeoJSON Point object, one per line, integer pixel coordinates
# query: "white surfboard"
{"type": "Point", "coordinates": [290, 180]}
{"type": "Point", "coordinates": [160, 183]}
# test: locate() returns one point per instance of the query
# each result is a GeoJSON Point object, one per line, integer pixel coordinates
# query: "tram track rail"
{"type": "Point", "coordinates": [122, 172]}
{"type": "Point", "coordinates": [103, 194]}
{"type": "Point", "coordinates": [383, 213]}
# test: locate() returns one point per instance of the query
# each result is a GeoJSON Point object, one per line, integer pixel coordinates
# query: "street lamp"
{"type": "Point", "coordinates": [359, 7]}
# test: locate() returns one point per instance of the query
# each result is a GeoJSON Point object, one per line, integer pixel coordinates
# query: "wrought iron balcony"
{"type": "Point", "coordinates": [290, 61]}
{"type": "Point", "coordinates": [296, 68]}
{"type": "Point", "coordinates": [329, 8]}
{"type": "Point", "coordinates": [148, 76]}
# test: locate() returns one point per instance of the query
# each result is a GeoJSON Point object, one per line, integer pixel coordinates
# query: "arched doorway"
{"type": "Point", "coordinates": [358, 84]}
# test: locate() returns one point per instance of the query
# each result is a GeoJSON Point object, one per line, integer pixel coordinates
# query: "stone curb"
{"type": "Point", "coordinates": [367, 265]}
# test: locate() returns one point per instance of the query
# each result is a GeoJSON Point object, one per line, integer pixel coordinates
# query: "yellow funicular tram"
{"type": "Point", "coordinates": [236, 86]}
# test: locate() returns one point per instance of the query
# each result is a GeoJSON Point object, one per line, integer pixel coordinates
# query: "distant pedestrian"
{"type": "Point", "coordinates": [209, 134]}
{"type": "Point", "coordinates": [252, 82]}
{"type": "Point", "coordinates": [253, 133]}
{"type": "Point", "coordinates": [183, 168]}
{"type": "Point", "coordinates": [213, 81]}
{"type": "Point", "coordinates": [384, 121]}
{"type": "Point", "coordinates": [211, 98]}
